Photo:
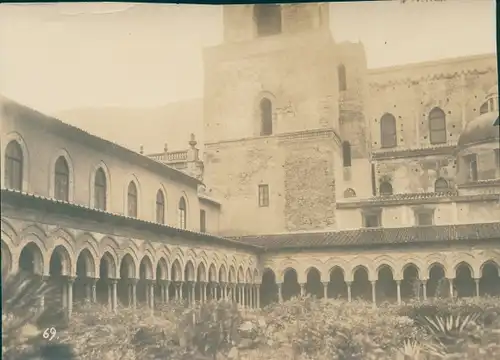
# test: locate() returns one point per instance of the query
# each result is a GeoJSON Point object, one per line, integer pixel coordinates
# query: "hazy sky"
{"type": "Point", "coordinates": [62, 56]}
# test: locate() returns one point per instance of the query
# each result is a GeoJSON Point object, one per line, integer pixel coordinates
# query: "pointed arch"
{"type": "Point", "coordinates": [61, 176]}
{"type": "Point", "coordinates": [385, 188]}
{"type": "Point", "coordinates": [160, 206]}
{"type": "Point", "coordinates": [132, 199]}
{"type": "Point", "coordinates": [100, 187]}
{"type": "Point", "coordinates": [182, 210]}
{"type": "Point", "coordinates": [388, 131]}
{"type": "Point", "coordinates": [441, 185]}
{"type": "Point", "coordinates": [16, 162]}
{"type": "Point", "coordinates": [437, 126]}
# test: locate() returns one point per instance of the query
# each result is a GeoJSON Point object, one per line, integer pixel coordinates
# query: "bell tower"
{"type": "Point", "coordinates": [271, 117]}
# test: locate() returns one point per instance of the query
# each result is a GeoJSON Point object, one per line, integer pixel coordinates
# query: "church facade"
{"type": "Point", "coordinates": [318, 176]}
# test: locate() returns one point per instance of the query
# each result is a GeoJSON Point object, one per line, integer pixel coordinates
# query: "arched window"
{"type": "Point", "coordinates": [346, 153]}
{"type": "Point", "coordinates": [437, 126]}
{"type": "Point", "coordinates": [182, 213]}
{"type": "Point", "coordinates": [385, 188]}
{"type": "Point", "coordinates": [266, 117]}
{"type": "Point", "coordinates": [342, 77]}
{"type": "Point", "coordinates": [388, 131]}
{"type": "Point", "coordinates": [160, 207]}
{"type": "Point", "coordinates": [100, 190]}
{"type": "Point", "coordinates": [132, 200]}
{"type": "Point", "coordinates": [61, 179]}
{"type": "Point", "coordinates": [349, 193]}
{"type": "Point", "coordinates": [483, 109]}
{"type": "Point", "coordinates": [14, 166]}
{"type": "Point", "coordinates": [441, 185]}
{"type": "Point", "coordinates": [267, 19]}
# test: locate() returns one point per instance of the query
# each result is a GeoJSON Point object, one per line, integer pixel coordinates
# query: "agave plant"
{"type": "Point", "coordinates": [21, 300]}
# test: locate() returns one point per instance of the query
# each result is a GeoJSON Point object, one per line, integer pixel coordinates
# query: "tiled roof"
{"type": "Point", "coordinates": [73, 133]}
{"type": "Point", "coordinates": [382, 154]}
{"type": "Point", "coordinates": [48, 205]}
{"type": "Point", "coordinates": [378, 236]}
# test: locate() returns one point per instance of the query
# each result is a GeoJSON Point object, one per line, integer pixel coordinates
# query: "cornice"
{"type": "Point", "coordinates": [386, 154]}
{"type": "Point", "coordinates": [414, 80]}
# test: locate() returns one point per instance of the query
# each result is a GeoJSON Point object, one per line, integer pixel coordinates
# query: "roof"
{"type": "Point", "coordinates": [377, 236]}
{"type": "Point", "coordinates": [480, 130]}
{"type": "Point", "coordinates": [24, 200]}
{"type": "Point", "coordinates": [73, 133]}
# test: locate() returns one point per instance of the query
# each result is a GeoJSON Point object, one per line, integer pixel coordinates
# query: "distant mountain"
{"type": "Point", "coordinates": [149, 127]}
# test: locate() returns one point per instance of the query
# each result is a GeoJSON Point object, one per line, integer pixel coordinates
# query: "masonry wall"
{"type": "Point", "coordinates": [43, 147]}
{"type": "Point", "coordinates": [212, 216]}
{"type": "Point", "coordinates": [445, 213]}
{"type": "Point", "coordinates": [302, 88]}
{"type": "Point", "coordinates": [299, 170]}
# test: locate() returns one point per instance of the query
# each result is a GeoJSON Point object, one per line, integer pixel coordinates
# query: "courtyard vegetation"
{"type": "Point", "coordinates": [302, 328]}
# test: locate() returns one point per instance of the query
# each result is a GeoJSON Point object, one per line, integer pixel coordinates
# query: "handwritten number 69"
{"type": "Point", "coordinates": [49, 333]}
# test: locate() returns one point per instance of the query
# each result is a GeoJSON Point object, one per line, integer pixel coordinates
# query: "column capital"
{"type": "Point", "coordinates": [71, 279]}
{"type": "Point", "coordinates": [132, 281]}
{"type": "Point", "coordinates": [113, 281]}
{"type": "Point", "coordinates": [398, 282]}
{"type": "Point", "coordinates": [325, 283]}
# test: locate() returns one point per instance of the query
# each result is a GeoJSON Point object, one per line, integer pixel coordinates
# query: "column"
{"type": "Point", "coordinates": [257, 296]}
{"type": "Point", "coordinates": [166, 290]}
{"type": "Point", "coordinates": [477, 287]}
{"type": "Point", "coordinates": [349, 296]}
{"type": "Point", "coordinates": [133, 293]}
{"type": "Point", "coordinates": [178, 289]}
{"type": "Point", "coordinates": [325, 291]}
{"type": "Point", "coordinates": [251, 296]}
{"type": "Point", "coordinates": [203, 289]}
{"type": "Point", "coordinates": [193, 293]}
{"type": "Point", "coordinates": [93, 291]}
{"type": "Point", "coordinates": [280, 293]}
{"type": "Point", "coordinates": [398, 286]}
{"type": "Point", "coordinates": [64, 292]}
{"type": "Point", "coordinates": [302, 289]}
{"type": "Point", "coordinates": [114, 297]}
{"type": "Point", "coordinates": [424, 289]}
{"type": "Point", "coordinates": [374, 293]}
{"type": "Point", "coordinates": [450, 281]}
{"type": "Point", "coordinates": [212, 290]}
{"type": "Point", "coordinates": [151, 289]}
{"type": "Point", "coordinates": [69, 287]}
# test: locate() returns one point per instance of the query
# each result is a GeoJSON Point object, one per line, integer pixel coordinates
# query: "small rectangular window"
{"type": "Point", "coordinates": [472, 161]}
{"type": "Point", "coordinates": [424, 218]}
{"type": "Point", "coordinates": [372, 220]}
{"type": "Point", "coordinates": [203, 221]}
{"type": "Point", "coordinates": [263, 195]}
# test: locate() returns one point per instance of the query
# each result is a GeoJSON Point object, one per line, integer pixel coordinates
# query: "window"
{"type": "Point", "coordinates": [182, 213]}
{"type": "Point", "coordinates": [263, 195]}
{"type": "Point", "coordinates": [388, 131]}
{"type": "Point", "coordinates": [132, 200]}
{"type": "Point", "coordinates": [61, 179]}
{"type": "Point", "coordinates": [346, 153]}
{"type": "Point", "coordinates": [14, 166]}
{"type": "Point", "coordinates": [266, 117]}
{"type": "Point", "coordinates": [342, 78]}
{"type": "Point", "coordinates": [160, 207]}
{"type": "Point", "coordinates": [497, 158]}
{"type": "Point", "coordinates": [437, 126]}
{"type": "Point", "coordinates": [374, 181]}
{"type": "Point", "coordinates": [472, 166]}
{"type": "Point", "coordinates": [424, 217]}
{"type": "Point", "coordinates": [203, 221]}
{"type": "Point", "coordinates": [267, 19]}
{"type": "Point", "coordinates": [441, 185]}
{"type": "Point", "coordinates": [385, 188]}
{"type": "Point", "coordinates": [100, 190]}
{"type": "Point", "coordinates": [483, 109]}
{"type": "Point", "coordinates": [371, 219]}
{"type": "Point", "coordinates": [349, 193]}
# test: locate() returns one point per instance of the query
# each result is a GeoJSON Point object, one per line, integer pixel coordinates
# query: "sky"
{"type": "Point", "coordinates": [61, 56]}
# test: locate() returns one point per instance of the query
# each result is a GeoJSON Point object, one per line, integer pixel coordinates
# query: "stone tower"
{"type": "Point", "coordinates": [271, 117]}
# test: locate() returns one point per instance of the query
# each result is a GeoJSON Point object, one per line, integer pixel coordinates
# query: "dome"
{"type": "Point", "coordinates": [493, 92]}
{"type": "Point", "coordinates": [481, 129]}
